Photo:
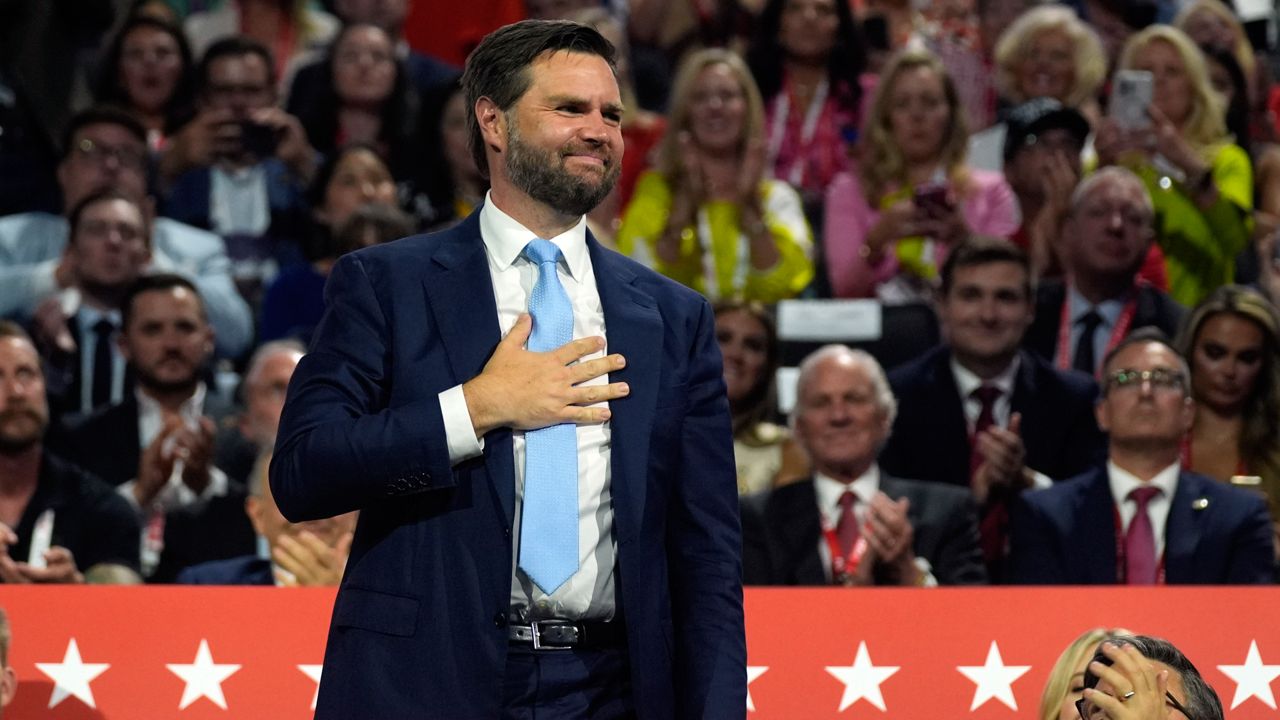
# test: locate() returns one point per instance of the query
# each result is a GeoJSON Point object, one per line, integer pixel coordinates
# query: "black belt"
{"type": "Point", "coordinates": [567, 634]}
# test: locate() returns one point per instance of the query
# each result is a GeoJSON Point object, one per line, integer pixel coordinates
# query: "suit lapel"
{"type": "Point", "coordinates": [1093, 544]}
{"type": "Point", "coordinates": [635, 330]}
{"type": "Point", "coordinates": [795, 517]}
{"type": "Point", "coordinates": [459, 292]}
{"type": "Point", "coordinates": [954, 433]}
{"type": "Point", "coordinates": [1183, 529]}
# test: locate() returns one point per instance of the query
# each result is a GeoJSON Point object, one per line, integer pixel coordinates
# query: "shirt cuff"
{"type": "Point", "coordinates": [459, 433]}
{"type": "Point", "coordinates": [927, 578]}
{"type": "Point", "coordinates": [1040, 481]}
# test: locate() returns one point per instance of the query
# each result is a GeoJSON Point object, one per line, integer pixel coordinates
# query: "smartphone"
{"type": "Point", "coordinates": [932, 199]}
{"type": "Point", "coordinates": [258, 139]}
{"type": "Point", "coordinates": [1130, 97]}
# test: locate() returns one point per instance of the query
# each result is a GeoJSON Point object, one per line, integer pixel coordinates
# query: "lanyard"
{"type": "Point", "coordinates": [843, 567]}
{"type": "Point", "coordinates": [781, 112]}
{"type": "Point", "coordinates": [710, 273]}
{"type": "Point", "coordinates": [1118, 332]}
{"type": "Point", "coordinates": [1121, 564]}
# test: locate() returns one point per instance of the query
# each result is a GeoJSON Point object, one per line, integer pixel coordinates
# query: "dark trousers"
{"type": "Point", "coordinates": [567, 685]}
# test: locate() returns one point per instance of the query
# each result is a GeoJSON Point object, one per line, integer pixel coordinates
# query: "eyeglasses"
{"type": "Point", "coordinates": [1160, 379]}
{"type": "Point", "coordinates": [132, 158]}
{"type": "Point", "coordinates": [1089, 711]}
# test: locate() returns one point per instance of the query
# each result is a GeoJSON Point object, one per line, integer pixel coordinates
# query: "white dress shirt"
{"type": "Point", "coordinates": [1123, 482]}
{"type": "Point", "coordinates": [589, 593]}
{"type": "Point", "coordinates": [150, 421]}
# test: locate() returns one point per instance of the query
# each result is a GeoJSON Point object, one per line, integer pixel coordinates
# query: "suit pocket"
{"type": "Point", "coordinates": [376, 611]}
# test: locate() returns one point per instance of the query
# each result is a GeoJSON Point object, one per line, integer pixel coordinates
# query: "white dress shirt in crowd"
{"type": "Point", "coordinates": [1123, 482]}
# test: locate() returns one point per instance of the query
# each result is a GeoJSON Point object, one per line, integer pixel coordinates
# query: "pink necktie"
{"type": "Point", "coordinates": [1140, 540]}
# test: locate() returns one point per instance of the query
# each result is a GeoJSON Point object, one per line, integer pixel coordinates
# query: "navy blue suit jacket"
{"type": "Point", "coordinates": [243, 570]}
{"type": "Point", "coordinates": [1065, 534]}
{"type": "Point", "coordinates": [418, 626]}
{"type": "Point", "coordinates": [930, 439]}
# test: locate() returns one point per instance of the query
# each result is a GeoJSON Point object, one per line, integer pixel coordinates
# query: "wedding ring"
{"type": "Point", "coordinates": [1128, 695]}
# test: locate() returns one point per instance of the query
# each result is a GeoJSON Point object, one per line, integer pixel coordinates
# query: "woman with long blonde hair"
{"type": "Point", "coordinates": [1200, 181]}
{"type": "Point", "coordinates": [911, 195]}
{"type": "Point", "coordinates": [708, 215]}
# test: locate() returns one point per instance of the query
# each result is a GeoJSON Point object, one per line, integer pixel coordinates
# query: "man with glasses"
{"type": "Point", "coordinates": [1139, 677]}
{"type": "Point", "coordinates": [1105, 239]}
{"type": "Point", "coordinates": [106, 148]}
{"type": "Point", "coordinates": [1141, 519]}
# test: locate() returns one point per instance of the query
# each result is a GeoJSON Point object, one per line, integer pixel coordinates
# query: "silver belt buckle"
{"type": "Point", "coordinates": [537, 636]}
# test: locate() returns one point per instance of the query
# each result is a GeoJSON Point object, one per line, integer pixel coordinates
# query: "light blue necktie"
{"type": "Point", "coordinates": [549, 523]}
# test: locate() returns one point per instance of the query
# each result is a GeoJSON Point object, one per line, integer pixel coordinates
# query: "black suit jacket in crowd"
{"type": "Point", "coordinates": [930, 439]}
{"type": "Point", "coordinates": [781, 531]}
{"type": "Point", "coordinates": [1154, 308]}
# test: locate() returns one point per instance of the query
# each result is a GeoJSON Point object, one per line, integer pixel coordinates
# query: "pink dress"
{"type": "Point", "coordinates": [989, 208]}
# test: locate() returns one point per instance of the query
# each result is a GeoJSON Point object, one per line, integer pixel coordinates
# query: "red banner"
{"type": "Point", "coordinates": [139, 653]}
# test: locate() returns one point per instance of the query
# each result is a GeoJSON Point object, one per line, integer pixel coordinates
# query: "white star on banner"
{"type": "Point", "coordinates": [994, 679]}
{"type": "Point", "coordinates": [72, 676]}
{"type": "Point", "coordinates": [1252, 679]}
{"type": "Point", "coordinates": [753, 672]}
{"type": "Point", "coordinates": [313, 672]}
{"type": "Point", "coordinates": [203, 678]}
{"type": "Point", "coordinates": [862, 680]}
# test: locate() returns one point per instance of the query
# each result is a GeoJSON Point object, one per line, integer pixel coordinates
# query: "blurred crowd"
{"type": "Point", "coordinates": [1076, 204]}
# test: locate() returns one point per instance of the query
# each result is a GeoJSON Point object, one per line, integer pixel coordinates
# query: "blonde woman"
{"type": "Point", "coordinates": [1066, 679]}
{"type": "Point", "coordinates": [1047, 52]}
{"type": "Point", "coordinates": [911, 195]}
{"type": "Point", "coordinates": [1200, 181]}
{"type": "Point", "coordinates": [707, 215]}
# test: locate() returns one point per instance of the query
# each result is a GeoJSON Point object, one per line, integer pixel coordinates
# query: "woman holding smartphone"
{"type": "Point", "coordinates": [1200, 181]}
{"type": "Point", "coordinates": [910, 196]}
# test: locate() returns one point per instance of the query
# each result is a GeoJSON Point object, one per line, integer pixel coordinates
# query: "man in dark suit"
{"type": "Point", "coordinates": [1105, 239]}
{"type": "Point", "coordinates": [108, 247]}
{"type": "Point", "coordinates": [157, 445]}
{"type": "Point", "coordinates": [1140, 518]}
{"type": "Point", "coordinates": [850, 523]}
{"type": "Point", "coordinates": [979, 412]}
{"type": "Point", "coordinates": [467, 580]}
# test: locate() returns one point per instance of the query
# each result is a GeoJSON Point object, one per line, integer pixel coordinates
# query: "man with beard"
{"type": "Point", "coordinates": [157, 444]}
{"type": "Point", "coordinates": [54, 518]}
{"type": "Point", "coordinates": [548, 529]}
{"type": "Point", "coordinates": [108, 248]}
{"type": "Point", "coordinates": [1140, 519]}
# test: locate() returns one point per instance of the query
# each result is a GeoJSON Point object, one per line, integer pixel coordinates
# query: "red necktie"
{"type": "Point", "coordinates": [994, 521]}
{"type": "Point", "coordinates": [987, 395]}
{"type": "Point", "coordinates": [847, 527]}
{"type": "Point", "coordinates": [1140, 540]}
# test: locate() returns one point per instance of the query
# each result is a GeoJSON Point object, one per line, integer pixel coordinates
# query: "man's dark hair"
{"type": "Point", "coordinates": [11, 329]}
{"type": "Point", "coordinates": [101, 115]}
{"type": "Point", "coordinates": [152, 283]}
{"type": "Point", "coordinates": [499, 66]}
{"type": "Point", "coordinates": [981, 250]}
{"type": "Point", "coordinates": [1202, 702]}
{"type": "Point", "coordinates": [93, 198]}
{"type": "Point", "coordinates": [1141, 336]}
{"type": "Point", "coordinates": [234, 46]}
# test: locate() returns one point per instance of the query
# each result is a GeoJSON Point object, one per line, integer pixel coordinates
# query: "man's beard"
{"type": "Point", "coordinates": [542, 176]}
{"type": "Point", "coordinates": [13, 444]}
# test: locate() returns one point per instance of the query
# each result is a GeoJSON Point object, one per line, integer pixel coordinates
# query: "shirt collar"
{"type": "Point", "coordinates": [192, 407]}
{"type": "Point", "coordinates": [1124, 482]}
{"type": "Point", "coordinates": [829, 489]}
{"type": "Point", "coordinates": [967, 382]}
{"type": "Point", "coordinates": [505, 238]}
{"type": "Point", "coordinates": [89, 316]}
{"type": "Point", "coordinates": [1109, 310]}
